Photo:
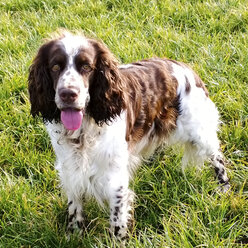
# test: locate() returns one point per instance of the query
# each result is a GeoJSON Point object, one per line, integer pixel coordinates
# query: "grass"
{"type": "Point", "coordinates": [170, 212]}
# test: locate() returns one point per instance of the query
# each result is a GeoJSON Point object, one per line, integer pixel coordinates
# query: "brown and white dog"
{"type": "Point", "coordinates": [104, 118]}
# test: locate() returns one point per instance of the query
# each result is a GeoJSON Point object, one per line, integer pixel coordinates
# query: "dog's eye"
{"type": "Point", "coordinates": [56, 68]}
{"type": "Point", "coordinates": [86, 68]}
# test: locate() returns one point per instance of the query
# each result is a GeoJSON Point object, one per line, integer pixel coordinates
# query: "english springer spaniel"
{"type": "Point", "coordinates": [103, 118]}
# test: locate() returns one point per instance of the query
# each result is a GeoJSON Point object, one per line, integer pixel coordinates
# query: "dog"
{"type": "Point", "coordinates": [104, 118]}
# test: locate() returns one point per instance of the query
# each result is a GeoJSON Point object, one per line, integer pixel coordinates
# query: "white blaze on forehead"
{"type": "Point", "coordinates": [70, 76]}
{"type": "Point", "coordinates": [73, 43]}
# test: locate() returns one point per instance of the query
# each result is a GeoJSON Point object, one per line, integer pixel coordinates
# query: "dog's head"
{"type": "Point", "coordinates": [72, 76]}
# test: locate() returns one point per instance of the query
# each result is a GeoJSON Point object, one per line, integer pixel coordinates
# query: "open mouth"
{"type": "Point", "coordinates": [71, 118]}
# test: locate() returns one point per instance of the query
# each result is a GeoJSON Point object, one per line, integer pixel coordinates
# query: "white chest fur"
{"type": "Point", "coordinates": [85, 167]}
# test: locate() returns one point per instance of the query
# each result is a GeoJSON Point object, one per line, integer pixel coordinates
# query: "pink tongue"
{"type": "Point", "coordinates": [71, 119]}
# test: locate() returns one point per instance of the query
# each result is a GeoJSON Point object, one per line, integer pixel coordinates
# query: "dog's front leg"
{"type": "Point", "coordinates": [75, 215]}
{"type": "Point", "coordinates": [121, 212]}
{"type": "Point", "coordinates": [120, 204]}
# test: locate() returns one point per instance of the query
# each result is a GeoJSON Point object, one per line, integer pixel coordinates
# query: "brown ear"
{"type": "Point", "coordinates": [40, 86]}
{"type": "Point", "coordinates": [106, 87]}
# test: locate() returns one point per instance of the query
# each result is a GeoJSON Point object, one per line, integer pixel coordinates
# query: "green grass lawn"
{"type": "Point", "coordinates": [209, 35]}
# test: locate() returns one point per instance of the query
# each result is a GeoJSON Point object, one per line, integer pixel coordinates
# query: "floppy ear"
{"type": "Point", "coordinates": [40, 86]}
{"type": "Point", "coordinates": [106, 87]}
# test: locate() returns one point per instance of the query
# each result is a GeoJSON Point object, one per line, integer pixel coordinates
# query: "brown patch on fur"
{"type": "Point", "coordinates": [152, 99]}
{"type": "Point", "coordinates": [187, 85]}
{"type": "Point", "coordinates": [199, 83]}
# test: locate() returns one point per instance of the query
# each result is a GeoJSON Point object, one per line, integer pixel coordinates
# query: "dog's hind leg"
{"type": "Point", "coordinates": [218, 163]}
{"type": "Point", "coordinates": [198, 152]}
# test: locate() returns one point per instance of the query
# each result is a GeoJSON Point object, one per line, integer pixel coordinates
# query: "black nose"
{"type": "Point", "coordinates": [68, 95]}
